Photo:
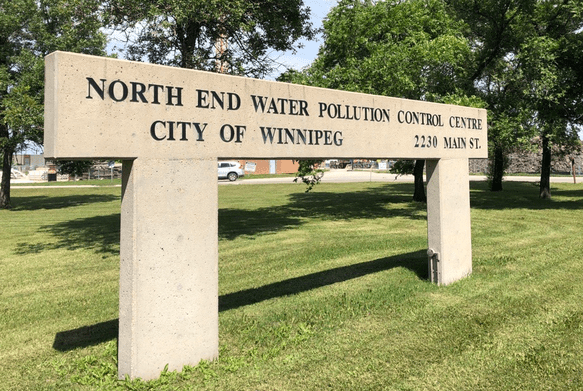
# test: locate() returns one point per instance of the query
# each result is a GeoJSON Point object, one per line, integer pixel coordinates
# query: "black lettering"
{"type": "Point", "coordinates": [289, 135]}
{"type": "Point", "coordinates": [112, 90]}
{"type": "Point", "coordinates": [327, 137]}
{"type": "Point", "coordinates": [157, 89]}
{"type": "Point", "coordinates": [171, 131]}
{"type": "Point", "coordinates": [183, 125]}
{"type": "Point", "coordinates": [170, 96]}
{"type": "Point", "coordinates": [387, 114]}
{"type": "Point", "coordinates": [234, 101]}
{"type": "Point", "coordinates": [322, 108]}
{"type": "Point", "coordinates": [138, 90]}
{"type": "Point", "coordinates": [216, 98]}
{"type": "Point", "coordinates": [378, 115]}
{"type": "Point", "coordinates": [153, 130]}
{"type": "Point", "coordinates": [282, 102]}
{"type": "Point", "coordinates": [348, 112]}
{"type": "Point", "coordinates": [335, 111]}
{"type": "Point", "coordinates": [340, 116]}
{"type": "Point", "coordinates": [199, 130]}
{"type": "Point", "coordinates": [240, 132]}
{"type": "Point", "coordinates": [259, 102]}
{"type": "Point", "coordinates": [293, 107]}
{"type": "Point", "coordinates": [304, 108]}
{"type": "Point", "coordinates": [272, 107]}
{"type": "Point", "coordinates": [96, 88]}
{"type": "Point", "coordinates": [201, 102]}
{"type": "Point", "coordinates": [319, 135]}
{"type": "Point", "coordinates": [267, 132]}
{"type": "Point", "coordinates": [231, 134]}
{"type": "Point", "coordinates": [301, 135]}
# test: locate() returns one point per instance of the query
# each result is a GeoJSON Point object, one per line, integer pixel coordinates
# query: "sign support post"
{"type": "Point", "coordinates": [168, 299]}
{"type": "Point", "coordinates": [449, 236]}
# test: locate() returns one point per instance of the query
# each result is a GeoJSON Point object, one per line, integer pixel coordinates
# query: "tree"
{"type": "Point", "coordinates": [415, 167]}
{"type": "Point", "coordinates": [235, 36]}
{"type": "Point", "coordinates": [367, 44]}
{"type": "Point", "coordinates": [555, 67]}
{"type": "Point", "coordinates": [74, 167]}
{"type": "Point", "coordinates": [526, 65]}
{"type": "Point", "coordinates": [29, 30]}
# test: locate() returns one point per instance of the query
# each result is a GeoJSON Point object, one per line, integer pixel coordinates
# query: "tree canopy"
{"type": "Point", "coordinates": [29, 30]}
{"type": "Point", "coordinates": [199, 34]}
{"type": "Point", "coordinates": [526, 64]}
{"type": "Point", "coordinates": [411, 49]}
{"type": "Point", "coordinates": [520, 59]}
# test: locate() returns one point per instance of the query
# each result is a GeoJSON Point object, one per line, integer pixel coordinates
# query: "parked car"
{"type": "Point", "coordinates": [230, 170]}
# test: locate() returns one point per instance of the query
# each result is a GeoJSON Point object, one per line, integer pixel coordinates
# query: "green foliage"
{"type": "Point", "coordinates": [74, 167]}
{"type": "Point", "coordinates": [308, 174]}
{"type": "Point", "coordinates": [525, 65]}
{"type": "Point", "coordinates": [186, 33]}
{"type": "Point", "coordinates": [29, 31]}
{"type": "Point", "coordinates": [367, 43]}
{"type": "Point", "coordinates": [403, 167]}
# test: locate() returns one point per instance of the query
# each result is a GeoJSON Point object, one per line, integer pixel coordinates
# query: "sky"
{"type": "Point", "coordinates": [303, 57]}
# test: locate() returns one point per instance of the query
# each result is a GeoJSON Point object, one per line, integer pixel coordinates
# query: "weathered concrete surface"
{"type": "Point", "coordinates": [99, 107]}
{"type": "Point", "coordinates": [168, 298]}
{"type": "Point", "coordinates": [448, 220]}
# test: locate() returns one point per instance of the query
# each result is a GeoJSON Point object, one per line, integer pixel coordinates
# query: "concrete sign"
{"type": "Point", "coordinates": [171, 125]}
{"type": "Point", "coordinates": [163, 112]}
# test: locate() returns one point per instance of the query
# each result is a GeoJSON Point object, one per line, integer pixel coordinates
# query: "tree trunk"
{"type": "Point", "coordinates": [545, 172]}
{"type": "Point", "coordinates": [5, 184]}
{"type": "Point", "coordinates": [419, 194]}
{"type": "Point", "coordinates": [6, 152]}
{"type": "Point", "coordinates": [497, 169]}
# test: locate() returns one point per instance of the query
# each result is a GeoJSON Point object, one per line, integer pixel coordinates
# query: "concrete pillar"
{"type": "Point", "coordinates": [168, 299]}
{"type": "Point", "coordinates": [449, 234]}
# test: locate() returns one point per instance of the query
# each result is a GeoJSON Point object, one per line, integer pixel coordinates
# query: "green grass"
{"type": "Point", "coordinates": [326, 290]}
{"type": "Point", "coordinates": [90, 182]}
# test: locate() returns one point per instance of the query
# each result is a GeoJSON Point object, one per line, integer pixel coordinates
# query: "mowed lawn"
{"type": "Point", "coordinates": [320, 291]}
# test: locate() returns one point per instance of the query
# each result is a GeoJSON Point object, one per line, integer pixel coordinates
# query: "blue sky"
{"type": "Point", "coordinates": [303, 57]}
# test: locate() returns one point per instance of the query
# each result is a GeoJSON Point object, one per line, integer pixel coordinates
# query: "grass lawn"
{"type": "Point", "coordinates": [319, 291]}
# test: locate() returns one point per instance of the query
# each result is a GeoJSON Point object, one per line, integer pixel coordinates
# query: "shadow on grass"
{"type": "Point", "coordinates": [101, 233]}
{"type": "Point", "coordinates": [98, 233]}
{"type": "Point", "coordinates": [106, 331]}
{"type": "Point", "coordinates": [415, 261]}
{"type": "Point", "coordinates": [523, 195]}
{"type": "Point", "coordinates": [59, 202]}
{"type": "Point", "coordinates": [390, 200]}
{"type": "Point", "coordinates": [86, 336]}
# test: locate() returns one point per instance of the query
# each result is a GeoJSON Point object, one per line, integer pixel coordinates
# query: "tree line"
{"type": "Point", "coordinates": [520, 59]}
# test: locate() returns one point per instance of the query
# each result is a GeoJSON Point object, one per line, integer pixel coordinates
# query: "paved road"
{"type": "Point", "coordinates": [337, 176]}
{"type": "Point", "coordinates": [340, 176]}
